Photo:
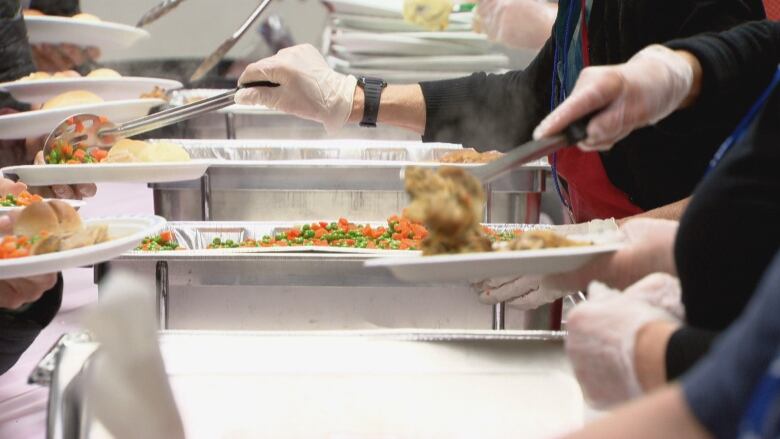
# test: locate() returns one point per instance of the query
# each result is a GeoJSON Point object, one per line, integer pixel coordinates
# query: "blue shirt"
{"type": "Point", "coordinates": [734, 390]}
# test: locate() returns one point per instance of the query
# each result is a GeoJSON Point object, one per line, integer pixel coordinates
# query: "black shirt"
{"type": "Point", "coordinates": [654, 166]}
{"type": "Point", "coordinates": [729, 232]}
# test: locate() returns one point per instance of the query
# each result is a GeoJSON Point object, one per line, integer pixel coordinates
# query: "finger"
{"type": "Point", "coordinates": [63, 191]}
{"type": "Point", "coordinates": [85, 190]}
{"type": "Point", "coordinates": [39, 160]}
{"type": "Point", "coordinates": [93, 52]}
{"type": "Point", "coordinates": [268, 96]}
{"type": "Point", "coordinates": [594, 90]}
{"type": "Point", "coordinates": [262, 70]}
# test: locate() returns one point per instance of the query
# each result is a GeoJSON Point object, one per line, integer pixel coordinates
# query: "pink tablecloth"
{"type": "Point", "coordinates": [23, 407]}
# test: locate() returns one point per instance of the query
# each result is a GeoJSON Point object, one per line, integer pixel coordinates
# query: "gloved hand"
{"type": "Point", "coordinates": [431, 14]}
{"type": "Point", "coordinates": [516, 23]}
{"type": "Point", "coordinates": [641, 92]}
{"type": "Point", "coordinates": [602, 335]}
{"type": "Point", "coordinates": [309, 88]}
{"type": "Point", "coordinates": [648, 249]}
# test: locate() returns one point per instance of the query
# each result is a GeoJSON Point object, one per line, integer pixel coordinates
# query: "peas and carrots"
{"type": "Point", "coordinates": [163, 242]}
{"type": "Point", "coordinates": [23, 199]}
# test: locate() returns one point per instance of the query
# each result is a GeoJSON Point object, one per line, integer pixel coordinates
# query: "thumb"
{"type": "Point", "coordinates": [268, 96]}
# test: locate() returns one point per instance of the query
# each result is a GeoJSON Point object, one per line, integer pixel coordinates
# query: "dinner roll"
{"type": "Point", "coordinates": [32, 13]}
{"type": "Point", "coordinates": [36, 218]}
{"type": "Point", "coordinates": [126, 150]}
{"type": "Point", "coordinates": [70, 98]}
{"type": "Point", "coordinates": [104, 73]}
{"type": "Point", "coordinates": [85, 17]}
{"type": "Point", "coordinates": [35, 76]}
{"type": "Point", "coordinates": [69, 220]}
{"type": "Point", "coordinates": [67, 74]}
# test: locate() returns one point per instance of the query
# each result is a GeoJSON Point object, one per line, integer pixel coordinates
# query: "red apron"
{"type": "Point", "coordinates": [590, 193]}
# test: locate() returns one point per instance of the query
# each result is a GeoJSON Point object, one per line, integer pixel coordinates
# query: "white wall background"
{"type": "Point", "coordinates": [196, 27]}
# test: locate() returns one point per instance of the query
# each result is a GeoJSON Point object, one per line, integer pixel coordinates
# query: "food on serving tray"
{"type": "Point", "coordinates": [49, 227]}
{"type": "Point", "coordinates": [71, 98]}
{"type": "Point", "coordinates": [400, 234]}
{"type": "Point", "coordinates": [104, 73]}
{"type": "Point", "coordinates": [470, 155]}
{"type": "Point", "coordinates": [162, 242]}
{"type": "Point", "coordinates": [449, 202]}
{"type": "Point", "coordinates": [85, 17]}
{"type": "Point", "coordinates": [23, 199]}
{"type": "Point", "coordinates": [34, 76]}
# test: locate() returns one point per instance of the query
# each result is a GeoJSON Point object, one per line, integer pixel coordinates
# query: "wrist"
{"type": "Point", "coordinates": [650, 353]}
{"type": "Point", "coordinates": [358, 104]}
{"type": "Point", "coordinates": [696, 77]}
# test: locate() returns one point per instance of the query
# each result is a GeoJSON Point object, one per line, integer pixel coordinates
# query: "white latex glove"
{"type": "Point", "coordinates": [648, 249]}
{"type": "Point", "coordinates": [602, 335]}
{"type": "Point", "coordinates": [309, 88]}
{"type": "Point", "coordinates": [516, 23]}
{"type": "Point", "coordinates": [641, 92]}
{"type": "Point", "coordinates": [431, 14]}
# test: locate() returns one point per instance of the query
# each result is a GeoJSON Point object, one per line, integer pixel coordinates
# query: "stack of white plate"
{"type": "Point", "coordinates": [370, 37]}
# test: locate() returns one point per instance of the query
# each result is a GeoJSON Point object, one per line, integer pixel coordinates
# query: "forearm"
{"type": "Point", "coordinates": [401, 106]}
{"type": "Point", "coordinates": [672, 211]}
{"type": "Point", "coordinates": [650, 354]}
{"type": "Point", "coordinates": [661, 415]}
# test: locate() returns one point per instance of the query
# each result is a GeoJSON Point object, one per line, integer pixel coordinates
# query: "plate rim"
{"type": "Point", "coordinates": [80, 108]}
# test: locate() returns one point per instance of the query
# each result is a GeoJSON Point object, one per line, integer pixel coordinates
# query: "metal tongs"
{"type": "Point", "coordinates": [530, 151]}
{"type": "Point", "coordinates": [228, 44]}
{"type": "Point", "coordinates": [89, 131]}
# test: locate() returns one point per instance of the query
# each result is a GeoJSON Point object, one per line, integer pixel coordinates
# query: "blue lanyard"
{"type": "Point", "coordinates": [744, 124]}
{"type": "Point", "coordinates": [762, 417]}
{"type": "Point", "coordinates": [562, 91]}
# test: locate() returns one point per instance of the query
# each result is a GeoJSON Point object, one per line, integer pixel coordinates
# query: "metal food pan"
{"type": "Point", "coordinates": [359, 183]}
{"type": "Point", "coordinates": [377, 384]}
{"type": "Point", "coordinates": [300, 149]}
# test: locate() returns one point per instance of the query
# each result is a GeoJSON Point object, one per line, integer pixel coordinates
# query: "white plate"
{"type": "Point", "coordinates": [76, 204]}
{"type": "Point", "coordinates": [458, 23]}
{"type": "Point", "coordinates": [384, 8]}
{"type": "Point", "coordinates": [110, 89]}
{"type": "Point", "coordinates": [461, 63]}
{"type": "Point", "coordinates": [46, 175]}
{"type": "Point", "coordinates": [126, 232]}
{"type": "Point", "coordinates": [41, 122]}
{"type": "Point", "coordinates": [405, 76]}
{"type": "Point", "coordinates": [102, 34]}
{"type": "Point", "coordinates": [478, 266]}
{"type": "Point", "coordinates": [416, 44]}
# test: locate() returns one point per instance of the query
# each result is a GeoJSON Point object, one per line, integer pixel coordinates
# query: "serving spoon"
{"type": "Point", "coordinates": [90, 131]}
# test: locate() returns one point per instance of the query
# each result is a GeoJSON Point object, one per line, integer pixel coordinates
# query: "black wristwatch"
{"type": "Point", "coordinates": [372, 89]}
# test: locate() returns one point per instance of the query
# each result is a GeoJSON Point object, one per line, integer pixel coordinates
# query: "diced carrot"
{"type": "Point", "coordinates": [319, 233]}
{"type": "Point", "coordinates": [166, 236]}
{"type": "Point", "coordinates": [66, 149]}
{"type": "Point", "coordinates": [79, 154]}
{"type": "Point", "coordinates": [98, 154]}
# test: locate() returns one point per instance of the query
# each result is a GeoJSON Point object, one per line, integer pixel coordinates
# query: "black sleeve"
{"type": "Point", "coordinates": [15, 56]}
{"type": "Point", "coordinates": [746, 54]}
{"type": "Point", "coordinates": [488, 111]}
{"type": "Point", "coordinates": [65, 8]}
{"type": "Point", "coordinates": [19, 330]}
{"type": "Point", "coordinates": [686, 346]}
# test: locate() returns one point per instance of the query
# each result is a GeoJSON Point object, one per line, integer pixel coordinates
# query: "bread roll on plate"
{"type": "Point", "coordinates": [164, 152]}
{"type": "Point", "coordinates": [34, 76]}
{"type": "Point", "coordinates": [104, 73]}
{"type": "Point", "coordinates": [71, 98]}
{"type": "Point", "coordinates": [85, 17]}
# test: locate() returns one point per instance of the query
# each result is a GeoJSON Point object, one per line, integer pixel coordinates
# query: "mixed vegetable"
{"type": "Point", "coordinates": [162, 242]}
{"type": "Point", "coordinates": [18, 246]}
{"type": "Point", "coordinates": [63, 152]}
{"type": "Point", "coordinates": [23, 199]}
{"type": "Point", "coordinates": [399, 234]}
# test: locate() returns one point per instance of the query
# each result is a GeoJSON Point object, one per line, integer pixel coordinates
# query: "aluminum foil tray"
{"type": "Point", "coordinates": [195, 237]}
{"type": "Point", "coordinates": [342, 149]}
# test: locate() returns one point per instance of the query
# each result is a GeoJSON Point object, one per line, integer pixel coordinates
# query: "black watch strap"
{"type": "Point", "coordinates": [372, 90]}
